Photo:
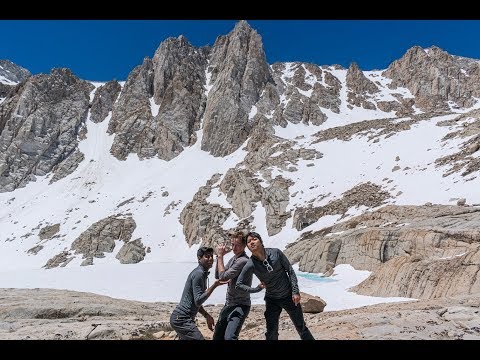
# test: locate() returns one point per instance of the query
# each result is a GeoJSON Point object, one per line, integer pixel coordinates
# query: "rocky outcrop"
{"type": "Point", "coordinates": [303, 89]}
{"type": "Point", "coordinates": [103, 100]}
{"type": "Point", "coordinates": [67, 166]}
{"type": "Point", "coordinates": [465, 161]}
{"type": "Point", "coordinates": [413, 251]}
{"type": "Point", "coordinates": [435, 77]}
{"type": "Point", "coordinates": [4, 91]}
{"type": "Point", "coordinates": [367, 194]}
{"type": "Point", "coordinates": [179, 75]}
{"type": "Point", "coordinates": [275, 199]}
{"type": "Point", "coordinates": [48, 231]}
{"type": "Point", "coordinates": [266, 151]}
{"type": "Point", "coordinates": [61, 260]}
{"type": "Point", "coordinates": [239, 73]}
{"type": "Point", "coordinates": [94, 317]}
{"type": "Point", "coordinates": [42, 119]}
{"type": "Point", "coordinates": [202, 221]}
{"type": "Point", "coordinates": [358, 83]}
{"type": "Point", "coordinates": [99, 238]}
{"type": "Point", "coordinates": [402, 106]}
{"type": "Point", "coordinates": [372, 128]}
{"type": "Point", "coordinates": [131, 252]}
{"type": "Point", "coordinates": [242, 191]}
{"type": "Point", "coordinates": [162, 103]}
{"type": "Point", "coordinates": [359, 87]}
{"type": "Point", "coordinates": [132, 116]}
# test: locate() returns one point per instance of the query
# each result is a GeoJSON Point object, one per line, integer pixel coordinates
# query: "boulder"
{"type": "Point", "coordinates": [312, 304]}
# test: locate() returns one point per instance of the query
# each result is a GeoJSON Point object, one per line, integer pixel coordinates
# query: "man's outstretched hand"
{"type": "Point", "coordinates": [221, 282]}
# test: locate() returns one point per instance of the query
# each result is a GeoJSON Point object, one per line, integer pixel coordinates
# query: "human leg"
{"type": "Point", "coordinates": [236, 318]}
{"type": "Point", "coordinates": [296, 315]}
{"type": "Point", "coordinates": [185, 327]}
{"type": "Point", "coordinates": [221, 325]}
{"type": "Point", "coordinates": [272, 318]}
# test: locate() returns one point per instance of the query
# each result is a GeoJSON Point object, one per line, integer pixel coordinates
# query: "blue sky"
{"type": "Point", "coordinates": [102, 50]}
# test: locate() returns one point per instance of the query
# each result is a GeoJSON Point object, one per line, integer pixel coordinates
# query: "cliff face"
{"type": "Point", "coordinates": [413, 251]}
{"type": "Point", "coordinates": [43, 118]}
{"type": "Point", "coordinates": [238, 73]}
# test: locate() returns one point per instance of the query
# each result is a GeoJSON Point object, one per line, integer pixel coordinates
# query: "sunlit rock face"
{"type": "Point", "coordinates": [41, 123]}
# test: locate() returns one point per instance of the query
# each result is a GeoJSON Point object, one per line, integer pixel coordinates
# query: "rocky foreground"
{"type": "Point", "coordinates": [59, 314]}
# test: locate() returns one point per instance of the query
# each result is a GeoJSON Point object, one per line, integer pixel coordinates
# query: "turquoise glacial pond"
{"type": "Point", "coordinates": [315, 277]}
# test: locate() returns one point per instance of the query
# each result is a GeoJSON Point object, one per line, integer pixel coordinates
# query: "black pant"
{"type": "Point", "coordinates": [273, 308]}
{"type": "Point", "coordinates": [230, 322]}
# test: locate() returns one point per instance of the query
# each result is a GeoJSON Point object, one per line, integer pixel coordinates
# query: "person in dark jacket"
{"type": "Point", "coordinates": [273, 269]}
{"type": "Point", "coordinates": [237, 304]}
{"type": "Point", "coordinates": [194, 295]}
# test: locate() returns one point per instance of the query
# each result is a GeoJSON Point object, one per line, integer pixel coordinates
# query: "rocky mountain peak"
{"type": "Point", "coordinates": [413, 53]}
{"type": "Point", "coordinates": [357, 82]}
{"type": "Point", "coordinates": [354, 68]}
{"type": "Point", "coordinates": [162, 102]}
{"type": "Point", "coordinates": [182, 38]}
{"type": "Point", "coordinates": [239, 72]}
{"type": "Point", "coordinates": [358, 87]}
{"type": "Point", "coordinates": [436, 52]}
{"type": "Point", "coordinates": [64, 75]}
{"type": "Point", "coordinates": [13, 72]}
{"type": "Point", "coordinates": [169, 56]}
{"type": "Point", "coordinates": [417, 56]}
{"type": "Point", "coordinates": [41, 125]}
{"type": "Point", "coordinates": [245, 34]}
{"type": "Point", "coordinates": [242, 26]}
{"type": "Point", "coordinates": [436, 78]}
{"type": "Point", "coordinates": [174, 43]}
{"type": "Point", "coordinates": [10, 75]}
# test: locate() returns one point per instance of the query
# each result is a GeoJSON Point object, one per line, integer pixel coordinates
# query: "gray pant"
{"type": "Point", "coordinates": [185, 327]}
{"type": "Point", "coordinates": [230, 322]}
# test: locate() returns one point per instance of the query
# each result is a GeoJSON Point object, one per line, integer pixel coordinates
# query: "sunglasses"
{"type": "Point", "coordinates": [267, 265]}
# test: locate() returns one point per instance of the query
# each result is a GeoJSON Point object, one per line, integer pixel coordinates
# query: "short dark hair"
{"type": "Point", "coordinates": [255, 235]}
{"type": "Point", "coordinates": [203, 250]}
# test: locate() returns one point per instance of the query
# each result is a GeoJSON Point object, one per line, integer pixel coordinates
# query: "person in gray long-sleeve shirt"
{"type": "Point", "coordinates": [237, 304]}
{"type": "Point", "coordinates": [194, 295]}
{"type": "Point", "coordinates": [273, 269]}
